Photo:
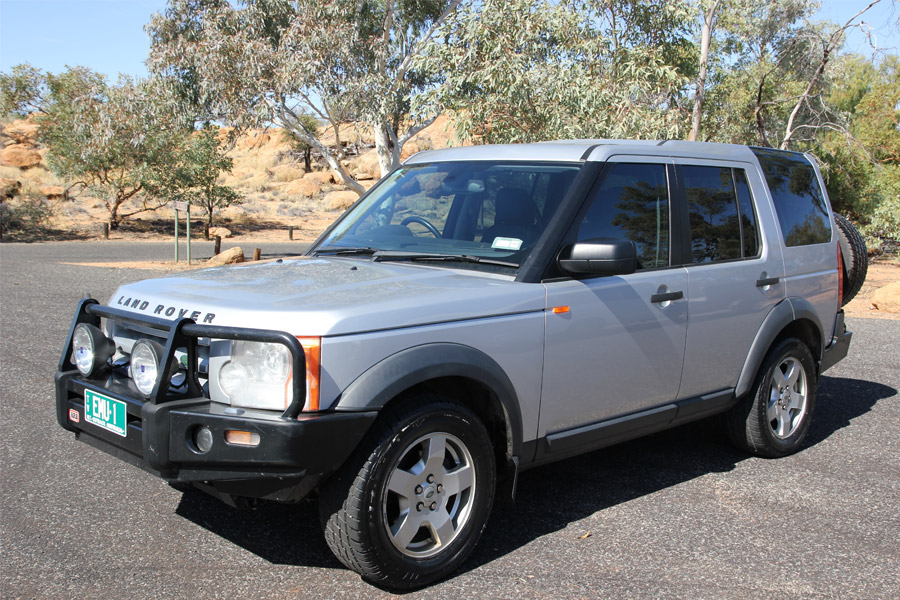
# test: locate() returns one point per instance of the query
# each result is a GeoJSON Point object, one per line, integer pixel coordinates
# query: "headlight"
{"type": "Point", "coordinates": [90, 349]}
{"type": "Point", "coordinates": [260, 375]}
{"type": "Point", "coordinates": [145, 360]}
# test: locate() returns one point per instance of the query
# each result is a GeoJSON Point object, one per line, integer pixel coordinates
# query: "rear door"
{"type": "Point", "coordinates": [734, 268]}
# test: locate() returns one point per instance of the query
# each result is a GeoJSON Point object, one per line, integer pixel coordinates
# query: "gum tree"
{"type": "Point", "coordinates": [271, 61]}
{"type": "Point", "coordinates": [115, 140]}
{"type": "Point", "coordinates": [527, 70]}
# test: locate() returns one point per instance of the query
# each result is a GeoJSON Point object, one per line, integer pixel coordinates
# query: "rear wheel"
{"type": "Point", "coordinates": [411, 505]}
{"type": "Point", "coordinates": [773, 419]}
{"type": "Point", "coordinates": [855, 257]}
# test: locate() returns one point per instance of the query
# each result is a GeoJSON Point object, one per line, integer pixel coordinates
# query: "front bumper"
{"type": "Point", "coordinates": [295, 451]}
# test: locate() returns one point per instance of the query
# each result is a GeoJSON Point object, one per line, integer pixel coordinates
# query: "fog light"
{"type": "Point", "coordinates": [203, 439]}
{"type": "Point", "coordinates": [242, 438]}
{"type": "Point", "coordinates": [145, 359]}
{"type": "Point", "coordinates": [90, 349]}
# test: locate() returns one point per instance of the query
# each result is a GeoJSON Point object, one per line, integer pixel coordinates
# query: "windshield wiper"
{"type": "Point", "coordinates": [420, 257]}
{"type": "Point", "coordinates": [346, 251]}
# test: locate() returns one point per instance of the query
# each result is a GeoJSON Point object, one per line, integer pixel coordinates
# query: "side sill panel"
{"type": "Point", "coordinates": [570, 442]}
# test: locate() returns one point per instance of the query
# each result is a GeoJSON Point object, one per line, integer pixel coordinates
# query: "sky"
{"type": "Point", "coordinates": [108, 35]}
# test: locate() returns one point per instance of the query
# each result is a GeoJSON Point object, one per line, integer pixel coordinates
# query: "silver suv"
{"type": "Point", "coordinates": [480, 311]}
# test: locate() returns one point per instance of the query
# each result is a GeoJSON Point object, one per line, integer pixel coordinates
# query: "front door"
{"type": "Point", "coordinates": [615, 344]}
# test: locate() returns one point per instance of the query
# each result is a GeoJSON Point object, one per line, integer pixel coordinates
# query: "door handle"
{"type": "Point", "coordinates": [767, 281]}
{"type": "Point", "coordinates": [666, 296]}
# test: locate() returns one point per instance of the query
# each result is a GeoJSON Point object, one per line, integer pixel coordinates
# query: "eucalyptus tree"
{"type": "Point", "coordinates": [271, 61]}
{"type": "Point", "coordinates": [771, 72]}
{"type": "Point", "coordinates": [115, 140]}
{"type": "Point", "coordinates": [526, 70]}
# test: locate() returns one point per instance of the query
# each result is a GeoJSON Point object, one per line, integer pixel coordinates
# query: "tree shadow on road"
{"type": "Point", "coordinates": [549, 498]}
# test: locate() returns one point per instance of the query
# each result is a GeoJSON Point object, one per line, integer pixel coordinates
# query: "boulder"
{"type": "Point", "coordinates": [227, 257]}
{"type": "Point", "coordinates": [9, 188]}
{"type": "Point", "coordinates": [303, 187]}
{"type": "Point", "coordinates": [23, 156]}
{"type": "Point", "coordinates": [22, 131]}
{"type": "Point", "coordinates": [887, 298]}
{"type": "Point", "coordinates": [52, 192]}
{"type": "Point", "coordinates": [340, 200]}
{"type": "Point", "coordinates": [409, 148]}
{"type": "Point", "coordinates": [320, 177]}
{"type": "Point", "coordinates": [222, 232]}
{"type": "Point", "coordinates": [367, 163]}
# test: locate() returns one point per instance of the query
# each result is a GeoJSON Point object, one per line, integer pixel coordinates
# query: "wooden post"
{"type": "Point", "coordinates": [291, 233]}
{"type": "Point", "coordinates": [218, 247]}
{"type": "Point", "coordinates": [256, 253]}
{"type": "Point", "coordinates": [106, 231]}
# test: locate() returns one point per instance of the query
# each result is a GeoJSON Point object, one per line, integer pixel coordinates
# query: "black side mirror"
{"type": "Point", "coordinates": [599, 256]}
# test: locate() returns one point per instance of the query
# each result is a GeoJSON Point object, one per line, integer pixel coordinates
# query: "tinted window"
{"type": "Point", "coordinates": [748, 216]}
{"type": "Point", "coordinates": [632, 203]}
{"type": "Point", "coordinates": [713, 213]}
{"type": "Point", "coordinates": [799, 201]}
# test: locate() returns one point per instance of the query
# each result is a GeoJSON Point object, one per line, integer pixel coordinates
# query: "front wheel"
{"type": "Point", "coordinates": [773, 418]}
{"type": "Point", "coordinates": [412, 503]}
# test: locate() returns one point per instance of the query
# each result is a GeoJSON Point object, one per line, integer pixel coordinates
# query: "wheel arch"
{"type": "Point", "coordinates": [792, 317]}
{"type": "Point", "coordinates": [455, 370]}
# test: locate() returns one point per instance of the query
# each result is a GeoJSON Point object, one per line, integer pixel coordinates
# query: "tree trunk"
{"type": "Point", "coordinates": [114, 214]}
{"type": "Point", "coordinates": [705, 35]}
{"type": "Point", "coordinates": [384, 149]}
{"type": "Point", "coordinates": [307, 159]}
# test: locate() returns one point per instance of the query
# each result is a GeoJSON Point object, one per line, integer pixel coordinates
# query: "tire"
{"type": "Point", "coordinates": [773, 418]}
{"type": "Point", "coordinates": [855, 256]}
{"type": "Point", "coordinates": [402, 520]}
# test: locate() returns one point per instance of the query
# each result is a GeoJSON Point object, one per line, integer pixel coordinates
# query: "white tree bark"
{"type": "Point", "coordinates": [705, 36]}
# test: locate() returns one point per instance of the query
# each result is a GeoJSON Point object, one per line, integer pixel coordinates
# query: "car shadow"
{"type": "Point", "coordinates": [549, 498]}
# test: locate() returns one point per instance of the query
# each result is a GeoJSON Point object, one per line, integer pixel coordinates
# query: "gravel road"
{"type": "Point", "coordinates": [676, 515]}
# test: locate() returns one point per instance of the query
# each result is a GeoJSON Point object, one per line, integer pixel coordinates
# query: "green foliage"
{"type": "Point", "coordinates": [22, 90]}
{"type": "Point", "coordinates": [28, 213]}
{"type": "Point", "coordinates": [274, 60]}
{"type": "Point", "coordinates": [310, 125]}
{"type": "Point", "coordinates": [115, 140]}
{"type": "Point", "coordinates": [194, 178]}
{"type": "Point", "coordinates": [863, 170]}
{"type": "Point", "coordinates": [525, 70]}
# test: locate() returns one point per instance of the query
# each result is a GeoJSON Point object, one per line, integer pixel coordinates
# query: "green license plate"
{"type": "Point", "coordinates": [105, 412]}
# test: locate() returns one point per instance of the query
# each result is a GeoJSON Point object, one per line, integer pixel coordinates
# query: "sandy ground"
{"type": "Point", "coordinates": [879, 275]}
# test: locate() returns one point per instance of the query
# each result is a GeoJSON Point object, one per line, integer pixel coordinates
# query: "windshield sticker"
{"type": "Point", "coordinates": [503, 243]}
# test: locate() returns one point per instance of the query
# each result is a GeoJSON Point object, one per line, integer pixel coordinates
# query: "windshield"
{"type": "Point", "coordinates": [481, 212]}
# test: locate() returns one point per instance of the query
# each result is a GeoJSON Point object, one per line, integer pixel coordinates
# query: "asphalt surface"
{"type": "Point", "coordinates": [677, 515]}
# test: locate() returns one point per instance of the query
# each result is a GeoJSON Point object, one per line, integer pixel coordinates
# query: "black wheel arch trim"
{"type": "Point", "coordinates": [399, 372]}
{"type": "Point", "coordinates": [782, 315]}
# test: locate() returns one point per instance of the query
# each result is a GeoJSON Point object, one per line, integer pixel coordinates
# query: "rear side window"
{"type": "Point", "coordinates": [799, 201]}
{"type": "Point", "coordinates": [720, 214]}
{"type": "Point", "coordinates": [749, 230]}
{"type": "Point", "coordinates": [632, 203]}
{"type": "Point", "coordinates": [713, 213]}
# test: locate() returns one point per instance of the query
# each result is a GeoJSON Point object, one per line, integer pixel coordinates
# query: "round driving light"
{"type": "Point", "coordinates": [145, 358]}
{"type": "Point", "coordinates": [90, 349]}
{"type": "Point", "coordinates": [203, 439]}
{"type": "Point", "coordinates": [233, 378]}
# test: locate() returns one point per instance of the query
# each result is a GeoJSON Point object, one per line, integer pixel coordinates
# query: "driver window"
{"type": "Point", "coordinates": [632, 203]}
